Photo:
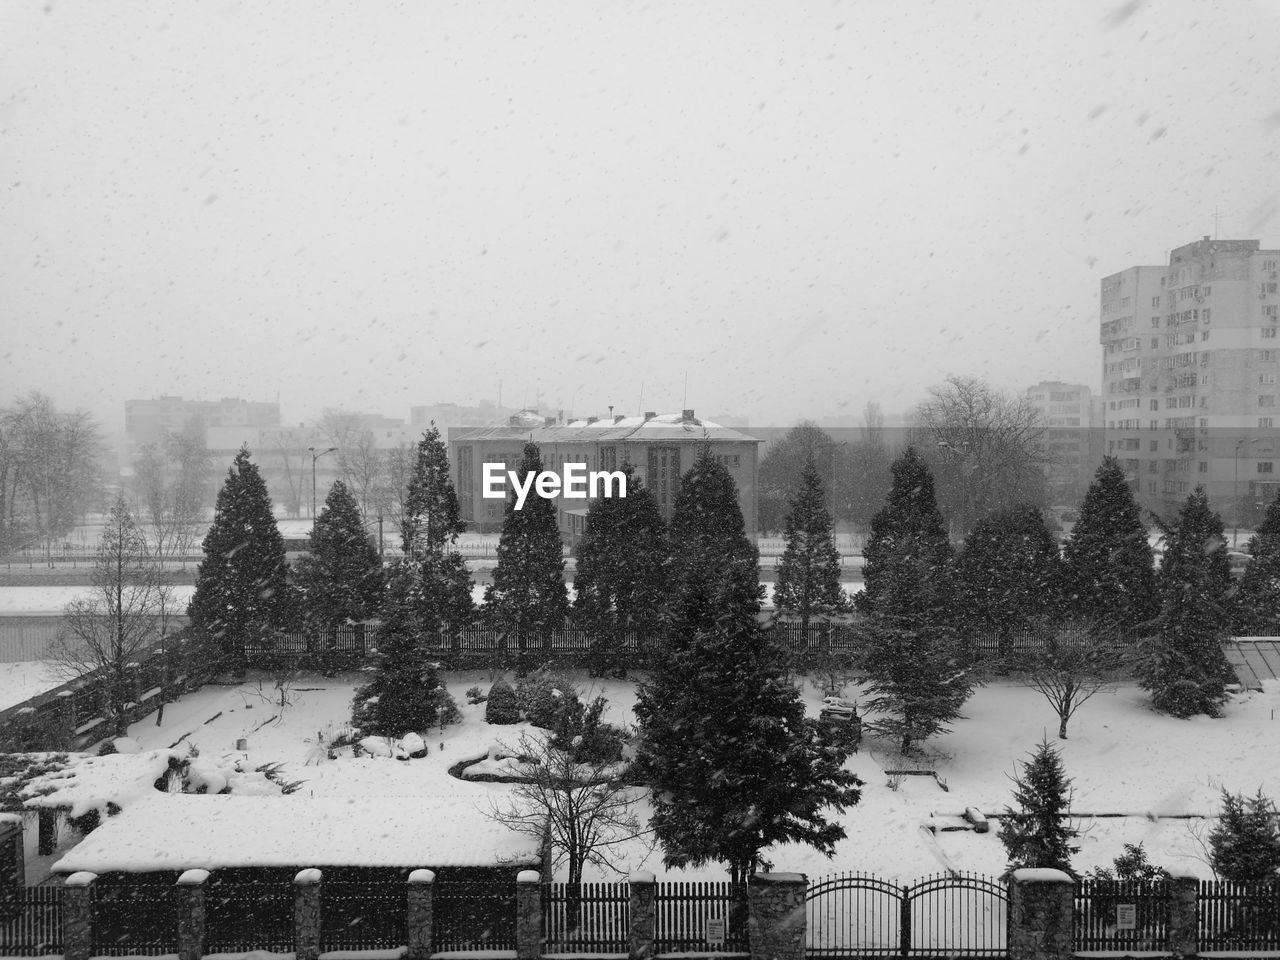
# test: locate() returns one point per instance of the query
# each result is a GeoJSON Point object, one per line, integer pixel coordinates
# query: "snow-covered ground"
{"type": "Point", "coordinates": [1154, 771]}
{"type": "Point", "coordinates": [39, 601]}
{"type": "Point", "coordinates": [26, 679]}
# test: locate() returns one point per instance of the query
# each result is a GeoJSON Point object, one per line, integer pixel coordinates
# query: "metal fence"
{"type": "Point", "coordinates": [683, 913]}
{"type": "Point", "coordinates": [30, 921]}
{"type": "Point", "coordinates": [586, 918]}
{"type": "Point", "coordinates": [1239, 916]}
{"type": "Point", "coordinates": [245, 915]}
{"type": "Point", "coordinates": [473, 915]}
{"type": "Point", "coordinates": [356, 915]}
{"type": "Point", "coordinates": [134, 919]}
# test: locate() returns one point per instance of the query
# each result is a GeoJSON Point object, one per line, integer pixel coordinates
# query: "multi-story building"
{"type": "Point", "coordinates": [1190, 372]}
{"type": "Point", "coordinates": [148, 421]}
{"type": "Point", "coordinates": [1072, 443]}
{"type": "Point", "coordinates": [660, 448]}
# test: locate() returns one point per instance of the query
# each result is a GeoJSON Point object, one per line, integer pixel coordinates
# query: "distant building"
{"type": "Point", "coordinates": [148, 421]}
{"type": "Point", "coordinates": [1072, 443]}
{"type": "Point", "coordinates": [1190, 373]}
{"type": "Point", "coordinates": [660, 447]}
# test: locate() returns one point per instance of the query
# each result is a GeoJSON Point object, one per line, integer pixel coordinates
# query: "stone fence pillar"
{"type": "Point", "coordinates": [643, 889]}
{"type": "Point", "coordinates": [776, 925]}
{"type": "Point", "coordinates": [420, 914]}
{"type": "Point", "coordinates": [306, 914]}
{"type": "Point", "coordinates": [77, 916]}
{"type": "Point", "coordinates": [191, 914]}
{"type": "Point", "coordinates": [528, 915]}
{"type": "Point", "coordinates": [1041, 919]}
{"type": "Point", "coordinates": [1184, 914]}
{"type": "Point", "coordinates": [13, 860]}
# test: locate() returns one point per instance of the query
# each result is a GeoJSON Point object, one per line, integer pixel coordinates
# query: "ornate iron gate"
{"type": "Point", "coordinates": [856, 915]}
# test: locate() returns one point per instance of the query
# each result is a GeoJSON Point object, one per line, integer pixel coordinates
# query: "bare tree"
{"type": "Point", "coordinates": [1069, 662]}
{"type": "Point", "coordinates": [171, 485]}
{"type": "Point", "coordinates": [985, 447]}
{"type": "Point", "coordinates": [583, 804]}
{"type": "Point", "coordinates": [392, 495]}
{"type": "Point", "coordinates": [110, 628]}
{"type": "Point", "coordinates": [361, 465]}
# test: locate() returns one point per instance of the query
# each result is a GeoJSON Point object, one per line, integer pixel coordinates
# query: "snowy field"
{"type": "Point", "coordinates": [1154, 771]}
{"type": "Point", "coordinates": [25, 679]}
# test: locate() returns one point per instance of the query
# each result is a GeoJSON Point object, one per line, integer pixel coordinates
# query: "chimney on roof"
{"type": "Point", "coordinates": [591, 420]}
{"type": "Point", "coordinates": [548, 421]}
{"type": "Point", "coordinates": [619, 418]}
{"type": "Point", "coordinates": [649, 415]}
{"type": "Point", "coordinates": [686, 415]}
{"type": "Point", "coordinates": [1206, 238]}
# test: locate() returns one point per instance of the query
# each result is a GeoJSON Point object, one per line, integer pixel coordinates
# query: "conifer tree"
{"type": "Point", "coordinates": [808, 581]}
{"type": "Point", "coordinates": [528, 592]}
{"type": "Point", "coordinates": [734, 764]}
{"type": "Point", "coordinates": [340, 578]}
{"type": "Point", "coordinates": [714, 566]}
{"type": "Point", "coordinates": [1185, 668]}
{"type": "Point", "coordinates": [1110, 569]}
{"type": "Point", "coordinates": [1038, 833]}
{"type": "Point", "coordinates": [1008, 574]}
{"type": "Point", "coordinates": [241, 591]}
{"type": "Point", "coordinates": [431, 506]}
{"type": "Point", "coordinates": [918, 679]}
{"type": "Point", "coordinates": [907, 556]}
{"type": "Point", "coordinates": [1244, 846]}
{"type": "Point", "coordinates": [427, 594]}
{"type": "Point", "coordinates": [1258, 599]}
{"type": "Point", "coordinates": [621, 576]}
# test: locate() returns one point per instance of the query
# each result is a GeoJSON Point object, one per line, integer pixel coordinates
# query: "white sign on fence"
{"type": "Point", "coordinates": [1126, 916]}
{"type": "Point", "coordinates": [715, 931]}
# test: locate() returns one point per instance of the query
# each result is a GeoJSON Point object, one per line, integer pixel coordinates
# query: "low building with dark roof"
{"type": "Point", "coordinates": [661, 448]}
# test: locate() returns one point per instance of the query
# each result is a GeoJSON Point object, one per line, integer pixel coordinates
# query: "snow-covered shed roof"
{"type": "Point", "coordinates": [178, 831]}
{"type": "Point", "coordinates": [1254, 660]}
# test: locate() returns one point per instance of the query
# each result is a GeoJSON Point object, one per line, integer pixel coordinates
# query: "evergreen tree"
{"type": "Point", "coordinates": [1258, 599]}
{"type": "Point", "coordinates": [241, 592]}
{"type": "Point", "coordinates": [1038, 834]}
{"type": "Point", "coordinates": [431, 506]}
{"type": "Point", "coordinates": [809, 573]}
{"type": "Point", "coordinates": [1244, 846]}
{"type": "Point", "coordinates": [734, 764]}
{"type": "Point", "coordinates": [428, 592]}
{"type": "Point", "coordinates": [1185, 668]}
{"type": "Point", "coordinates": [340, 578]}
{"type": "Point", "coordinates": [1110, 571]}
{"type": "Point", "coordinates": [621, 576]}
{"type": "Point", "coordinates": [907, 556]}
{"type": "Point", "coordinates": [1008, 574]}
{"type": "Point", "coordinates": [780, 478]}
{"type": "Point", "coordinates": [714, 566]}
{"type": "Point", "coordinates": [528, 592]}
{"type": "Point", "coordinates": [918, 679]}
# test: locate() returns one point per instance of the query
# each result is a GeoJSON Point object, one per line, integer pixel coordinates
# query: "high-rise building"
{"type": "Point", "coordinates": [1072, 443]}
{"type": "Point", "coordinates": [1189, 376]}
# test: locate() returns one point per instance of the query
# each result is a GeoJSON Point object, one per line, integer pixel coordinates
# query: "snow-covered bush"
{"type": "Point", "coordinates": [544, 696]}
{"type": "Point", "coordinates": [502, 705]}
{"type": "Point", "coordinates": [476, 695]}
{"type": "Point", "coordinates": [1245, 845]}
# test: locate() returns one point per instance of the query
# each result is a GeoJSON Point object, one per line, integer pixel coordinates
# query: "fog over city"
{"type": "Point", "coordinates": [768, 210]}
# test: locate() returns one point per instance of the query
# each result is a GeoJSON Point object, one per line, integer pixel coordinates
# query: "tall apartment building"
{"type": "Point", "coordinates": [1071, 438]}
{"type": "Point", "coordinates": [1189, 376]}
{"type": "Point", "coordinates": [148, 421]}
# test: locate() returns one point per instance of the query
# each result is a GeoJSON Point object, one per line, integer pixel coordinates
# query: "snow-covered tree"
{"type": "Point", "coordinates": [1071, 660]}
{"type": "Point", "coordinates": [1110, 567]}
{"type": "Point", "coordinates": [340, 578]}
{"type": "Point", "coordinates": [117, 619]}
{"type": "Point", "coordinates": [714, 566]}
{"type": "Point", "coordinates": [1258, 599]}
{"type": "Point", "coordinates": [1007, 575]}
{"type": "Point", "coordinates": [406, 693]}
{"type": "Point", "coordinates": [528, 592]}
{"type": "Point", "coordinates": [241, 590]}
{"type": "Point", "coordinates": [430, 510]}
{"type": "Point", "coordinates": [621, 576]}
{"type": "Point", "coordinates": [808, 581]}
{"type": "Point", "coordinates": [1038, 833]}
{"type": "Point", "coordinates": [918, 677]}
{"type": "Point", "coordinates": [1184, 666]}
{"type": "Point", "coordinates": [734, 765]}
{"type": "Point", "coordinates": [1244, 846]}
{"type": "Point", "coordinates": [908, 556]}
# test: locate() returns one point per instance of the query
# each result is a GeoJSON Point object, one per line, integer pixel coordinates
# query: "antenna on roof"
{"type": "Point", "coordinates": [640, 404]}
{"type": "Point", "coordinates": [684, 397]}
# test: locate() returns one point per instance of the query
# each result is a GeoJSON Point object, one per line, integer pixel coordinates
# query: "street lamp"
{"type": "Point", "coordinates": [314, 457]}
{"type": "Point", "coordinates": [1235, 531]}
{"type": "Point", "coordinates": [835, 450]}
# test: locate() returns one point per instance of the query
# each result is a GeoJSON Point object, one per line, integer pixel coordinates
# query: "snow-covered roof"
{"type": "Point", "coordinates": [185, 831]}
{"type": "Point", "coordinates": [1254, 659]}
{"type": "Point", "coordinates": [662, 427]}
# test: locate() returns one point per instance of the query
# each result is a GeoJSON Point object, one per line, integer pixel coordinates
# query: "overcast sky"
{"type": "Point", "coordinates": [800, 206]}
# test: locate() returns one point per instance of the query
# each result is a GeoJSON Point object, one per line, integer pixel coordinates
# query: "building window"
{"type": "Point", "coordinates": [1268, 333]}
{"type": "Point", "coordinates": [1155, 404]}
{"type": "Point", "coordinates": [1264, 423]}
{"type": "Point", "coordinates": [1204, 466]}
{"type": "Point", "coordinates": [1267, 356]}
{"type": "Point", "coordinates": [1266, 378]}
{"type": "Point", "coordinates": [1267, 400]}
{"type": "Point", "coordinates": [1264, 466]}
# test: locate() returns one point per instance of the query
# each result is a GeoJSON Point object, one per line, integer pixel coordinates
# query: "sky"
{"type": "Point", "coordinates": [759, 209]}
